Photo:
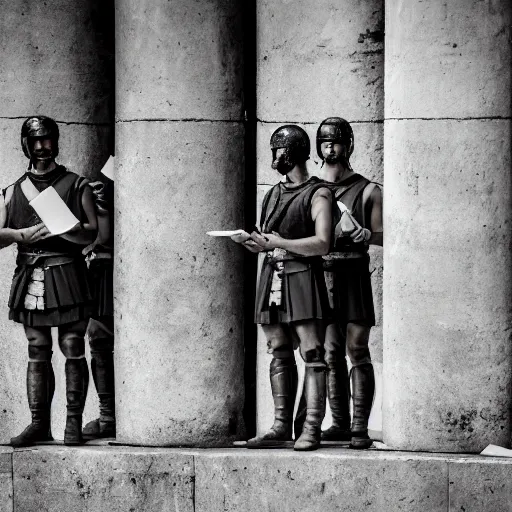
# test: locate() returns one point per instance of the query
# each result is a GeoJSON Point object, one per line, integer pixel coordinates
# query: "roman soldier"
{"type": "Point", "coordinates": [50, 285]}
{"type": "Point", "coordinates": [361, 224]}
{"type": "Point", "coordinates": [291, 300]}
{"type": "Point", "coordinates": [100, 331]}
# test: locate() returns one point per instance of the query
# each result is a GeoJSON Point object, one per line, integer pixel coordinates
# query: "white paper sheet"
{"type": "Point", "coordinates": [496, 451]}
{"type": "Point", "coordinates": [228, 233]}
{"type": "Point", "coordinates": [108, 168]}
{"type": "Point", "coordinates": [53, 211]}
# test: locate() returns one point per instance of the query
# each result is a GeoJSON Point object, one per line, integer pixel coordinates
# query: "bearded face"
{"type": "Point", "coordinates": [333, 152]}
{"type": "Point", "coordinates": [282, 162]}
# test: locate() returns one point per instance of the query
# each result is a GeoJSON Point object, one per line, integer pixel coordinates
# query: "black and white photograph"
{"type": "Point", "coordinates": [256, 255]}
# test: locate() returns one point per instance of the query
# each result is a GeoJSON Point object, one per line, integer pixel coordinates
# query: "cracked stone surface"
{"type": "Point", "coordinates": [93, 479]}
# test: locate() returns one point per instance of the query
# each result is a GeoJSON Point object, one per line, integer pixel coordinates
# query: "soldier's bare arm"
{"type": "Point", "coordinates": [376, 216]}
{"type": "Point", "coordinates": [317, 245]}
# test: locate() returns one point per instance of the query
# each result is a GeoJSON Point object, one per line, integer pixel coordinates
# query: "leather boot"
{"type": "Point", "coordinates": [314, 384]}
{"type": "Point", "coordinates": [38, 393]}
{"type": "Point", "coordinates": [339, 401]}
{"type": "Point", "coordinates": [77, 377]}
{"type": "Point", "coordinates": [363, 389]}
{"type": "Point", "coordinates": [102, 368]}
{"type": "Point", "coordinates": [283, 381]}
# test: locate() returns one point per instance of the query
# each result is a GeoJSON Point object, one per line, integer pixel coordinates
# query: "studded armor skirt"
{"type": "Point", "coordinates": [53, 295]}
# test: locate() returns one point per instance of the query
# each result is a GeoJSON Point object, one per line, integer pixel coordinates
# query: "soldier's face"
{"type": "Point", "coordinates": [332, 152]}
{"type": "Point", "coordinates": [282, 163]}
{"type": "Point", "coordinates": [41, 149]}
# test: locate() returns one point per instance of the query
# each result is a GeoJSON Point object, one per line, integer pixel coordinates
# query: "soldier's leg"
{"type": "Point", "coordinates": [72, 345]}
{"type": "Point", "coordinates": [283, 381]}
{"type": "Point", "coordinates": [40, 386]}
{"type": "Point", "coordinates": [363, 383]}
{"type": "Point", "coordinates": [101, 338]}
{"type": "Point", "coordinates": [338, 391]}
{"type": "Point", "coordinates": [311, 335]}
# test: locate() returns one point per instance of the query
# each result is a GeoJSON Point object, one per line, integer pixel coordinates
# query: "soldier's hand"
{"type": "Point", "coordinates": [33, 234]}
{"type": "Point", "coordinates": [240, 238]}
{"type": "Point", "coordinates": [90, 248]}
{"type": "Point", "coordinates": [268, 241]}
{"type": "Point", "coordinates": [360, 235]}
{"type": "Point", "coordinates": [252, 246]}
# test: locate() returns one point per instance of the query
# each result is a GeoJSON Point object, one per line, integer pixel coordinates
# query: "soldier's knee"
{"type": "Point", "coordinates": [101, 345]}
{"type": "Point", "coordinates": [72, 345]}
{"type": "Point", "coordinates": [40, 352]}
{"type": "Point", "coordinates": [38, 337]}
{"type": "Point", "coordinates": [278, 342]}
{"type": "Point", "coordinates": [359, 355]}
{"type": "Point", "coordinates": [315, 355]}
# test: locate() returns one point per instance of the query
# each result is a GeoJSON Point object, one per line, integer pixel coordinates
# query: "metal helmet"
{"type": "Point", "coordinates": [39, 127]}
{"type": "Point", "coordinates": [293, 138]}
{"type": "Point", "coordinates": [335, 129]}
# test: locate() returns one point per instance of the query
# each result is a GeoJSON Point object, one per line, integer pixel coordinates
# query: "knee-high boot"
{"type": "Point", "coordinates": [339, 401]}
{"type": "Point", "coordinates": [363, 389]}
{"type": "Point", "coordinates": [39, 393]}
{"type": "Point", "coordinates": [77, 378]}
{"type": "Point", "coordinates": [283, 381]}
{"type": "Point", "coordinates": [102, 369]}
{"type": "Point", "coordinates": [314, 385]}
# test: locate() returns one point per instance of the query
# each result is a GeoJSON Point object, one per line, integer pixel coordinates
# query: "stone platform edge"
{"type": "Point", "coordinates": [129, 479]}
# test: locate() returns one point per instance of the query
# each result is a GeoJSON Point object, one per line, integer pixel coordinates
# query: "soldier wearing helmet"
{"type": "Point", "coordinates": [360, 225]}
{"type": "Point", "coordinates": [49, 287]}
{"type": "Point", "coordinates": [291, 299]}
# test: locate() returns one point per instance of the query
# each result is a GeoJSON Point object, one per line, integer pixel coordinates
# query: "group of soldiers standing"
{"type": "Point", "coordinates": [314, 231]}
{"type": "Point", "coordinates": [62, 281]}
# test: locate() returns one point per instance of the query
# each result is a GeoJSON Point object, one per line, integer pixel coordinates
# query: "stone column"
{"type": "Point", "coordinates": [180, 172]}
{"type": "Point", "coordinates": [447, 315]}
{"type": "Point", "coordinates": [57, 60]}
{"type": "Point", "coordinates": [317, 60]}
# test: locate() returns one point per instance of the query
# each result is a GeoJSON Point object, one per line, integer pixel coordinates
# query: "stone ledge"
{"type": "Point", "coordinates": [93, 478]}
{"type": "Point", "coordinates": [6, 502]}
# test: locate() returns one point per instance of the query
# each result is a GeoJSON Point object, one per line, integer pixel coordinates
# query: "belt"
{"type": "Point", "coordinates": [46, 259]}
{"type": "Point", "coordinates": [345, 255]}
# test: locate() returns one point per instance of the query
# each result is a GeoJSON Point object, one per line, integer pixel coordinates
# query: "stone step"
{"type": "Point", "coordinates": [127, 479]}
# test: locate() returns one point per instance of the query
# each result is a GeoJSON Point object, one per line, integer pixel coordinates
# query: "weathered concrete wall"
{"type": "Point", "coordinates": [56, 61]}
{"type": "Point", "coordinates": [179, 293]}
{"type": "Point", "coordinates": [447, 351]}
{"type": "Point", "coordinates": [88, 479]}
{"type": "Point", "coordinates": [316, 60]}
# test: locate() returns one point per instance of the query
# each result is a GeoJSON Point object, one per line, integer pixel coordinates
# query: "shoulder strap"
{"type": "Point", "coordinates": [350, 194]}
{"type": "Point", "coordinates": [270, 203]}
